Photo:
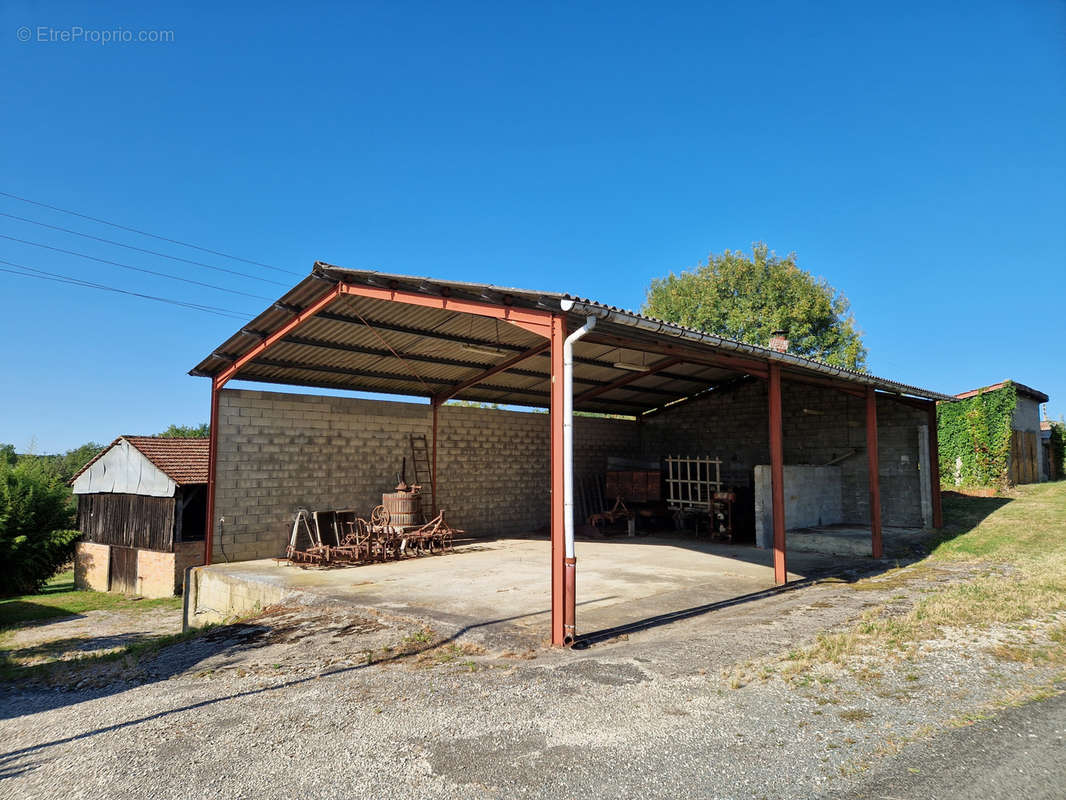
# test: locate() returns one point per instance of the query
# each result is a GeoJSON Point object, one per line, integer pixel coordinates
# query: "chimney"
{"type": "Point", "coordinates": [779, 341]}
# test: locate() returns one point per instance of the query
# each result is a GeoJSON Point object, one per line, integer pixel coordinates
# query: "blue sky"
{"type": "Point", "coordinates": [914, 154]}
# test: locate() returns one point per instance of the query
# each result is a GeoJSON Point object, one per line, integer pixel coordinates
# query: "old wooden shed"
{"type": "Point", "coordinates": [141, 510]}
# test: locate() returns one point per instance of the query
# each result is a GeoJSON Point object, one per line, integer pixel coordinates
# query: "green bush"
{"type": "Point", "coordinates": [36, 526]}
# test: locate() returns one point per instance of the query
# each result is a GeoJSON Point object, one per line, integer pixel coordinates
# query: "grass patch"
{"type": "Point", "coordinates": [68, 670]}
{"type": "Point", "coordinates": [59, 599]}
{"type": "Point", "coordinates": [1013, 550]}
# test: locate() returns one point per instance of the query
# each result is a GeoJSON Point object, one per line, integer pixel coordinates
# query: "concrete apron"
{"type": "Point", "coordinates": [497, 592]}
{"type": "Point", "coordinates": [852, 540]}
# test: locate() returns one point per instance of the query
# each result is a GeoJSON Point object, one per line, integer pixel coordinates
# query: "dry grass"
{"type": "Point", "coordinates": [1013, 552]}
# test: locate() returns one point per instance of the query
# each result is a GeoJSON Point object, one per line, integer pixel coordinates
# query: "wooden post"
{"type": "Point", "coordinates": [777, 474]}
{"type": "Point", "coordinates": [934, 468]}
{"type": "Point", "coordinates": [558, 510]}
{"type": "Point", "coordinates": [873, 471]}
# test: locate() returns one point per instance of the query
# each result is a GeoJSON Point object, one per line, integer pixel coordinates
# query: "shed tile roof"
{"type": "Point", "coordinates": [184, 461]}
{"type": "Point", "coordinates": [1028, 391]}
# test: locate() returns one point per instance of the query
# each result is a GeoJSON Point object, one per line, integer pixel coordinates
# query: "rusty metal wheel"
{"type": "Point", "coordinates": [380, 516]}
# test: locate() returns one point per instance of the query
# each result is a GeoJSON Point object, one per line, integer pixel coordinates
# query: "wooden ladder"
{"type": "Point", "coordinates": [423, 467]}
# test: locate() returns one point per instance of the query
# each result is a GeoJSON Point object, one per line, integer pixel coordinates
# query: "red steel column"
{"type": "Point", "coordinates": [873, 471]}
{"type": "Point", "coordinates": [433, 461]}
{"type": "Point", "coordinates": [934, 467]}
{"type": "Point", "coordinates": [777, 474]}
{"type": "Point", "coordinates": [212, 457]}
{"type": "Point", "coordinates": [560, 602]}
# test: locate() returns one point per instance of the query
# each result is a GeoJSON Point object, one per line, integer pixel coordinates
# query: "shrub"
{"type": "Point", "coordinates": [36, 522]}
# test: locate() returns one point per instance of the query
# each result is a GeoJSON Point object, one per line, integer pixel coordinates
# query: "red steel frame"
{"type": "Point", "coordinates": [543, 323]}
{"type": "Point", "coordinates": [553, 328]}
{"type": "Point", "coordinates": [934, 468]}
{"type": "Point", "coordinates": [873, 470]}
{"type": "Point", "coordinates": [777, 474]}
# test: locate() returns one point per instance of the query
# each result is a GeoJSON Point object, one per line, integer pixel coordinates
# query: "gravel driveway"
{"type": "Point", "coordinates": [329, 704]}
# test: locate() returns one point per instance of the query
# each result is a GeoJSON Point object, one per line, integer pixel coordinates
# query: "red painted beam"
{"type": "Point", "coordinates": [625, 380]}
{"type": "Point", "coordinates": [934, 467]}
{"type": "Point", "coordinates": [829, 383]}
{"type": "Point", "coordinates": [873, 471]}
{"type": "Point", "coordinates": [433, 462]}
{"type": "Point", "coordinates": [299, 319]}
{"type": "Point", "coordinates": [503, 366]}
{"type": "Point", "coordinates": [562, 605]}
{"type": "Point", "coordinates": [212, 458]}
{"type": "Point", "coordinates": [688, 355]}
{"type": "Point", "coordinates": [777, 474]}
{"type": "Point", "coordinates": [532, 320]}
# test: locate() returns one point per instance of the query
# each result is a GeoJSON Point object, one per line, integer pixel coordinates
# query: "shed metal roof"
{"type": "Point", "coordinates": [375, 345]}
{"type": "Point", "coordinates": [183, 460]}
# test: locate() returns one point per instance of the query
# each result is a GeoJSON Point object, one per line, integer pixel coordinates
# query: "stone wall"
{"type": "Point", "coordinates": [92, 566]}
{"type": "Point", "coordinates": [278, 452]}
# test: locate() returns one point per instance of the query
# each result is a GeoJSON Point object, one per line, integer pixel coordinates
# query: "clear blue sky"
{"type": "Point", "coordinates": [914, 154]}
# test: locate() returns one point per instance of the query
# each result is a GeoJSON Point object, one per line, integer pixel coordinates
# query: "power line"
{"type": "Point", "coordinates": [130, 266]}
{"type": "Point", "coordinates": [142, 250]}
{"type": "Point", "coordinates": [145, 233]}
{"type": "Point", "coordinates": [32, 272]}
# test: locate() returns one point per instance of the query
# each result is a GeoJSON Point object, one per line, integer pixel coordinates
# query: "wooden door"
{"type": "Point", "coordinates": [123, 570]}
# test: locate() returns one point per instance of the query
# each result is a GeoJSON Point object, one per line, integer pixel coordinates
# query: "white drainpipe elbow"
{"type": "Point", "coordinates": [568, 432]}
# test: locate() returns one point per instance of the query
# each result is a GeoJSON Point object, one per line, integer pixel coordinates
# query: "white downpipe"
{"type": "Point", "coordinates": [568, 433]}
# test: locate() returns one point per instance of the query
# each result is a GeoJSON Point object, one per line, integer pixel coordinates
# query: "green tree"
{"type": "Point", "coordinates": [36, 525]}
{"type": "Point", "coordinates": [748, 297]}
{"type": "Point", "coordinates": [201, 431]}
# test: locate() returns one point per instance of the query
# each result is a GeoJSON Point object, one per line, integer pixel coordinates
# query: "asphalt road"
{"type": "Point", "coordinates": [1019, 753]}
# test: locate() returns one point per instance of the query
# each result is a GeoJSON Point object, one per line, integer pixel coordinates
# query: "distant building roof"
{"type": "Point", "coordinates": [1039, 396]}
{"type": "Point", "coordinates": [184, 461]}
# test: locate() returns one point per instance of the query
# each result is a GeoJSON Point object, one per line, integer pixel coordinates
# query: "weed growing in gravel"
{"type": "Point", "coordinates": [855, 714]}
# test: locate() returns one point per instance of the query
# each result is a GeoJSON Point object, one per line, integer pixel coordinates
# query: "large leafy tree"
{"type": "Point", "coordinates": [747, 297]}
{"type": "Point", "coordinates": [201, 431]}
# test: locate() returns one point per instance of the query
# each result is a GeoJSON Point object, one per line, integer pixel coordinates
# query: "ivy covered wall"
{"type": "Point", "coordinates": [974, 436]}
{"type": "Point", "coordinates": [1057, 444]}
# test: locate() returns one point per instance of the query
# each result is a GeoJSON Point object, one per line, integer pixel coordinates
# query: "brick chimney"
{"type": "Point", "coordinates": [779, 341]}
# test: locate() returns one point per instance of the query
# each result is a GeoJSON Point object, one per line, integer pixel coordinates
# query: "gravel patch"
{"type": "Point", "coordinates": [328, 704]}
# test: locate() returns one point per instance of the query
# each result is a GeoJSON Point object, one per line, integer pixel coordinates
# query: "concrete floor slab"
{"type": "Point", "coordinates": [499, 589]}
{"type": "Point", "coordinates": [853, 540]}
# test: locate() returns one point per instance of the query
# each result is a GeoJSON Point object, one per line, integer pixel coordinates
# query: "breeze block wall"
{"type": "Point", "coordinates": [279, 451]}
{"type": "Point", "coordinates": [820, 425]}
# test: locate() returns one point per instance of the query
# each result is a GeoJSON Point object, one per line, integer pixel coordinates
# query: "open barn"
{"type": "Point", "coordinates": [576, 421]}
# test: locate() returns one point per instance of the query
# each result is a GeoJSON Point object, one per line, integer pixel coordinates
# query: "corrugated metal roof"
{"type": "Point", "coordinates": [354, 344]}
{"type": "Point", "coordinates": [183, 460]}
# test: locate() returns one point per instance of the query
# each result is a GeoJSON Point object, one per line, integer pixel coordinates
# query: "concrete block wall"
{"type": "Point", "coordinates": [813, 496]}
{"type": "Point", "coordinates": [731, 425]}
{"type": "Point", "coordinates": [279, 451]}
{"type": "Point", "coordinates": [819, 425]}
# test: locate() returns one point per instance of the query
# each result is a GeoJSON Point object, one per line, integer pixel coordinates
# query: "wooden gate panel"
{"type": "Point", "coordinates": [123, 570]}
